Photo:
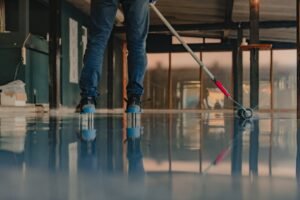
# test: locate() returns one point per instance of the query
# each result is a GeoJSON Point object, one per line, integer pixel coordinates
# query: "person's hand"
{"type": "Point", "coordinates": [152, 1]}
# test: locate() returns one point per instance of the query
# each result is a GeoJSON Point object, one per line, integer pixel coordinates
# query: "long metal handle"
{"type": "Point", "coordinates": [174, 32]}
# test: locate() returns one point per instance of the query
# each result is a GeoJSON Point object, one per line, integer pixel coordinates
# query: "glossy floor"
{"type": "Point", "coordinates": [153, 156]}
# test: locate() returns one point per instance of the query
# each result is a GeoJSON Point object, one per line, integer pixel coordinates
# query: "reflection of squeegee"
{"type": "Point", "coordinates": [220, 157]}
{"type": "Point", "coordinates": [243, 112]}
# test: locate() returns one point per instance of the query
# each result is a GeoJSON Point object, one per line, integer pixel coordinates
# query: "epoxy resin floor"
{"type": "Point", "coordinates": [158, 156]}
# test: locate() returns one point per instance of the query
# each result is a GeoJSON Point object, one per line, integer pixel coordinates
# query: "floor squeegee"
{"type": "Point", "coordinates": [242, 112]}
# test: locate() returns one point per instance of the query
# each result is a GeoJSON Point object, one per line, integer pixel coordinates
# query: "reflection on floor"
{"type": "Point", "coordinates": [153, 156]}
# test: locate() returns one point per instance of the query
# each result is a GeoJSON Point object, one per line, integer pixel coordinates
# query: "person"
{"type": "Point", "coordinates": [103, 12]}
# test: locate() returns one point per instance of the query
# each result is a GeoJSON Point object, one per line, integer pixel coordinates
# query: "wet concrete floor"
{"type": "Point", "coordinates": [208, 155]}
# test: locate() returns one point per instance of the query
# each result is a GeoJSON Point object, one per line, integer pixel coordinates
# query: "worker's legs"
{"type": "Point", "coordinates": [137, 24]}
{"type": "Point", "coordinates": [103, 14]}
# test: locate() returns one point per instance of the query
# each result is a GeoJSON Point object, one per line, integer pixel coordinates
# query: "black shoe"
{"type": "Point", "coordinates": [134, 104]}
{"type": "Point", "coordinates": [86, 105]}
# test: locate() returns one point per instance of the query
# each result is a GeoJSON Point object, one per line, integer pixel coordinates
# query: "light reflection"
{"type": "Point", "coordinates": [168, 144]}
{"type": "Point", "coordinates": [134, 151]}
{"type": "Point", "coordinates": [12, 134]}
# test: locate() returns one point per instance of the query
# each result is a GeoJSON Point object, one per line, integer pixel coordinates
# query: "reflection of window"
{"type": "Point", "coordinates": [285, 72]}
{"type": "Point", "coordinates": [187, 86]}
{"type": "Point", "coordinates": [216, 124]}
{"type": "Point", "coordinates": [190, 136]}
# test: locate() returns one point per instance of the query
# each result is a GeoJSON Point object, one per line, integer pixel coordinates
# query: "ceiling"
{"type": "Point", "coordinates": [214, 11]}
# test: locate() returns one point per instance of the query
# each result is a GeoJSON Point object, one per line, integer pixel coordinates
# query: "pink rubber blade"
{"type": "Point", "coordinates": [222, 88]}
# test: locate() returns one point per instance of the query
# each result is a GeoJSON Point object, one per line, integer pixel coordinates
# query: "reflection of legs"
{"type": "Point", "coordinates": [87, 130]}
{"type": "Point", "coordinates": [103, 13]}
{"type": "Point", "coordinates": [137, 22]}
{"type": "Point", "coordinates": [135, 157]}
{"type": "Point", "coordinates": [87, 156]}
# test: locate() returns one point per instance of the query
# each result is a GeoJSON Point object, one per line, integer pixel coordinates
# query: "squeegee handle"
{"type": "Point", "coordinates": [174, 32]}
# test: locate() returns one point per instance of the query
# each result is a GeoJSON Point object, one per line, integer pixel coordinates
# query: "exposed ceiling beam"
{"type": "Point", "coordinates": [213, 47]}
{"type": "Point", "coordinates": [196, 47]}
{"type": "Point", "coordinates": [217, 26]}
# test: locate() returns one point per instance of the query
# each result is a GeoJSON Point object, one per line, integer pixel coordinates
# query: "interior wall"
{"type": "Point", "coordinates": [11, 40]}
{"type": "Point", "coordinates": [37, 64]}
{"type": "Point", "coordinates": [9, 58]}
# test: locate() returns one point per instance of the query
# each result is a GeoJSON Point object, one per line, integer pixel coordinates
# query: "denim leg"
{"type": "Point", "coordinates": [102, 18]}
{"type": "Point", "coordinates": [137, 24]}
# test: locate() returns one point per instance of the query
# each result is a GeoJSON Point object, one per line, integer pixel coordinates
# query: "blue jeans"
{"type": "Point", "coordinates": [103, 14]}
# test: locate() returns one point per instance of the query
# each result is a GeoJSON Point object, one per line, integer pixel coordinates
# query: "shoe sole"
{"type": "Point", "coordinates": [88, 109]}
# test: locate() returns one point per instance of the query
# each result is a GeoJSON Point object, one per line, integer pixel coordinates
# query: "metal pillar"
{"type": "Point", "coordinates": [271, 81]}
{"type": "Point", "coordinates": [54, 54]}
{"type": "Point", "coordinates": [170, 91]}
{"type": "Point", "coordinates": [254, 54]}
{"type": "Point", "coordinates": [298, 60]}
{"type": "Point", "coordinates": [201, 83]}
{"type": "Point", "coordinates": [238, 68]}
{"type": "Point", "coordinates": [110, 73]}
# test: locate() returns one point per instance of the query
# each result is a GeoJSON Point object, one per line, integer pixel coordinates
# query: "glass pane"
{"type": "Point", "coordinates": [246, 78]}
{"type": "Point", "coordinates": [185, 81]}
{"type": "Point", "coordinates": [264, 80]}
{"type": "Point", "coordinates": [156, 81]}
{"type": "Point", "coordinates": [285, 79]}
{"type": "Point", "coordinates": [219, 63]}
